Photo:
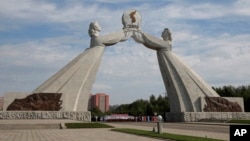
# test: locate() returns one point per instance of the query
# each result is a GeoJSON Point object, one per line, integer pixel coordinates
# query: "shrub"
{"type": "Point", "coordinates": [87, 125]}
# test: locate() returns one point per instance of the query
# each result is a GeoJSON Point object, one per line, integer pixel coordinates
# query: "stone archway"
{"type": "Point", "coordinates": [187, 91]}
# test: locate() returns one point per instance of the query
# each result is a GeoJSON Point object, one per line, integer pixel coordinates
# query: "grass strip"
{"type": "Point", "coordinates": [87, 125]}
{"type": "Point", "coordinates": [239, 121]}
{"type": "Point", "coordinates": [163, 135]}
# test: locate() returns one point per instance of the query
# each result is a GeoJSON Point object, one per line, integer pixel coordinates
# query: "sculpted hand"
{"type": "Point", "coordinates": [127, 34]}
{"type": "Point", "coordinates": [152, 42]}
{"type": "Point", "coordinates": [138, 36]}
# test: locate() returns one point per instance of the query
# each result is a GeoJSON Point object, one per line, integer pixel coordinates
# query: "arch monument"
{"type": "Point", "coordinates": [191, 98]}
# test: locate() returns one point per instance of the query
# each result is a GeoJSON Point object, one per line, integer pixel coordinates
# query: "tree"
{"type": "Point", "coordinates": [240, 91]}
{"type": "Point", "coordinates": [138, 107]}
{"type": "Point", "coordinates": [152, 99]}
{"type": "Point", "coordinates": [96, 112]}
{"type": "Point", "coordinates": [145, 107]}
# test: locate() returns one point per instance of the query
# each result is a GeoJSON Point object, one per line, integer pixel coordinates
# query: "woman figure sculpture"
{"type": "Point", "coordinates": [184, 87]}
{"type": "Point", "coordinates": [75, 80]}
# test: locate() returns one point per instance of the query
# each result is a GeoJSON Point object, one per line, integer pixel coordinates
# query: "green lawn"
{"type": "Point", "coordinates": [163, 135]}
{"type": "Point", "coordinates": [87, 125]}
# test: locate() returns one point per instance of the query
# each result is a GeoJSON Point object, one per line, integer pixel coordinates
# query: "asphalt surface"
{"type": "Point", "coordinates": [208, 130]}
{"type": "Point", "coordinates": [222, 128]}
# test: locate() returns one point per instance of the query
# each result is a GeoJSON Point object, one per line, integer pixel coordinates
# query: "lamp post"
{"type": "Point", "coordinates": [159, 124]}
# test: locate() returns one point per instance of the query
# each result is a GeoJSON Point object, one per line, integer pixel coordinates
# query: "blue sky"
{"type": "Point", "coordinates": [37, 38]}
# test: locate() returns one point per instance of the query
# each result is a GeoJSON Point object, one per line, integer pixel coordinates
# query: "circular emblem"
{"type": "Point", "coordinates": [131, 19]}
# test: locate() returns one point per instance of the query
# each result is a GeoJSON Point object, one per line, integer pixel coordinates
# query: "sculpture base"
{"type": "Point", "coordinates": [205, 116]}
{"type": "Point", "coordinates": [71, 115]}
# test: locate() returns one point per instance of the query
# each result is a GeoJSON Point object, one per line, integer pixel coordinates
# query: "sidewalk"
{"type": "Point", "coordinates": [63, 134]}
{"type": "Point", "coordinates": [68, 135]}
{"type": "Point", "coordinates": [88, 134]}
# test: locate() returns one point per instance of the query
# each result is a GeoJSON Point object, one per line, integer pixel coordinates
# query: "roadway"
{"type": "Point", "coordinates": [210, 130]}
{"type": "Point", "coordinates": [221, 128]}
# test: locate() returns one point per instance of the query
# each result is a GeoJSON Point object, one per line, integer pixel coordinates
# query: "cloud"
{"type": "Point", "coordinates": [16, 14]}
{"type": "Point", "coordinates": [115, 1]}
{"type": "Point", "coordinates": [33, 52]}
{"type": "Point", "coordinates": [26, 9]}
{"type": "Point", "coordinates": [24, 66]}
{"type": "Point", "coordinates": [98, 87]}
{"type": "Point", "coordinates": [241, 7]}
{"type": "Point", "coordinates": [129, 59]}
{"type": "Point", "coordinates": [205, 36]}
{"type": "Point", "coordinates": [222, 60]}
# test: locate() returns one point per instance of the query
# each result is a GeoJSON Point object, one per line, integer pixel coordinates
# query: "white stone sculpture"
{"type": "Point", "coordinates": [75, 80]}
{"type": "Point", "coordinates": [184, 87]}
{"type": "Point", "coordinates": [188, 93]}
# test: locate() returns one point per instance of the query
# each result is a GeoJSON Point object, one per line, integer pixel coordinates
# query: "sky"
{"type": "Point", "coordinates": [38, 38]}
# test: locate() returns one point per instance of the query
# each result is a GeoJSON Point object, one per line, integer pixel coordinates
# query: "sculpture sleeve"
{"type": "Point", "coordinates": [155, 43]}
{"type": "Point", "coordinates": [114, 38]}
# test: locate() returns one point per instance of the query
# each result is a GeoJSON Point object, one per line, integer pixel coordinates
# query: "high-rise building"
{"type": "Point", "coordinates": [101, 101]}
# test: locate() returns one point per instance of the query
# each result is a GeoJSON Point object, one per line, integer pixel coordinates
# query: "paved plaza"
{"type": "Point", "coordinates": [103, 134]}
{"type": "Point", "coordinates": [87, 134]}
{"type": "Point", "coordinates": [68, 135]}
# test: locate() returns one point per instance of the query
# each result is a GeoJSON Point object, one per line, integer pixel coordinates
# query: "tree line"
{"type": "Point", "coordinates": [159, 105]}
{"type": "Point", "coordinates": [232, 91]}
{"type": "Point", "coordinates": [151, 107]}
{"type": "Point", "coordinates": [140, 107]}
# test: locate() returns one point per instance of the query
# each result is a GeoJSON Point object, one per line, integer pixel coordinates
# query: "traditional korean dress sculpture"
{"type": "Point", "coordinates": [184, 87]}
{"type": "Point", "coordinates": [75, 80]}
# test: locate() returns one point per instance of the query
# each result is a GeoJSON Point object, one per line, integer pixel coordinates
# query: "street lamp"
{"type": "Point", "coordinates": [159, 124]}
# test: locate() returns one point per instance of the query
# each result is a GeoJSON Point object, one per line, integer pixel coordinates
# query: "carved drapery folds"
{"type": "Point", "coordinates": [37, 102]}
{"type": "Point", "coordinates": [219, 104]}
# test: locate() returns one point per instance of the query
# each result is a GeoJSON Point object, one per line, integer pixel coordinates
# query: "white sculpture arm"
{"type": "Point", "coordinates": [113, 38]}
{"type": "Point", "coordinates": [106, 40]}
{"type": "Point", "coordinates": [151, 41]}
{"type": "Point", "coordinates": [110, 39]}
